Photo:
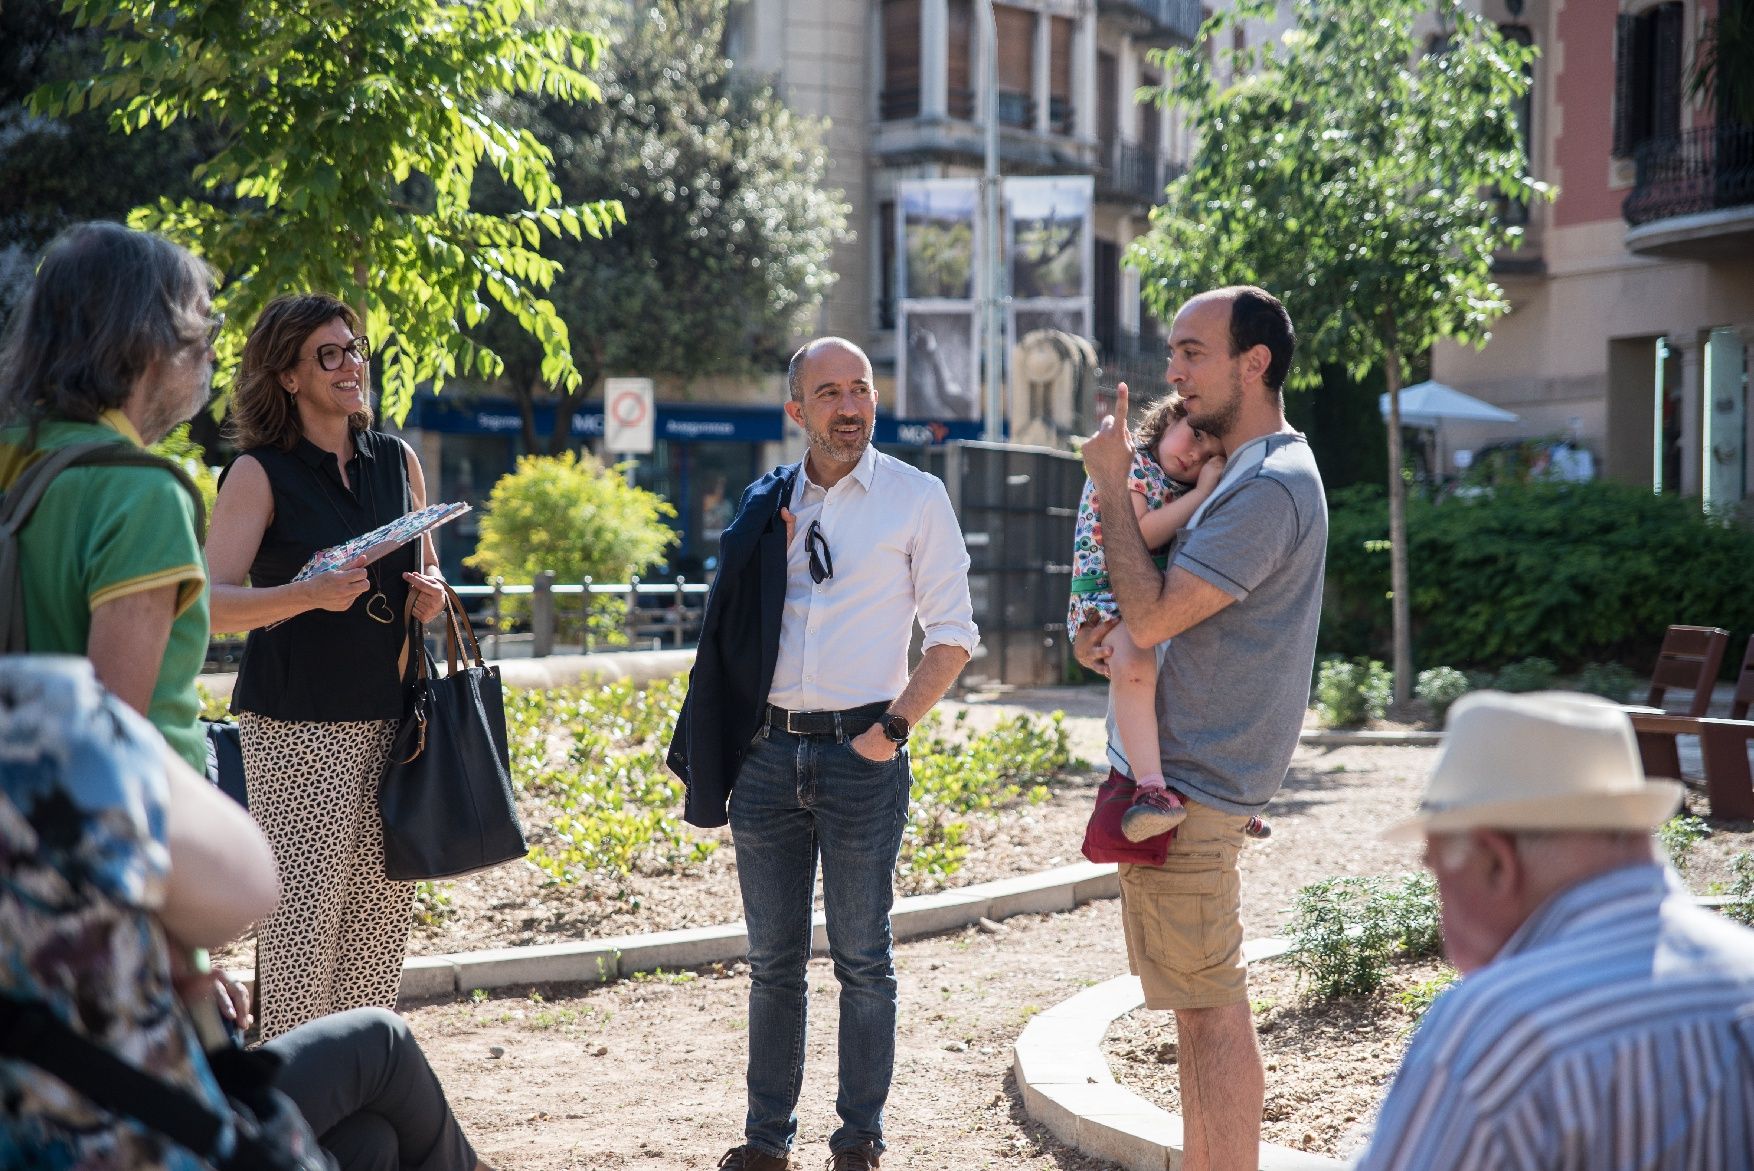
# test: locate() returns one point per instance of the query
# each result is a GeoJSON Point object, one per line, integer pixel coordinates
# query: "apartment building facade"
{"type": "Point", "coordinates": [1632, 328]}
{"type": "Point", "coordinates": [899, 81]}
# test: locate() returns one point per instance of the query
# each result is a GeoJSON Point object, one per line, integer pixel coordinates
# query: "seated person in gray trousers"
{"type": "Point", "coordinates": [114, 857]}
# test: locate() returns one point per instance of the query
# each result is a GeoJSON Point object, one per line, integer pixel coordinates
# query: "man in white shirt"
{"type": "Point", "coordinates": [867, 546]}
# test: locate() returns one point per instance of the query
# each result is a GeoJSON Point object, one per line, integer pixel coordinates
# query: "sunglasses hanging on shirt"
{"type": "Point", "coordinates": [821, 564]}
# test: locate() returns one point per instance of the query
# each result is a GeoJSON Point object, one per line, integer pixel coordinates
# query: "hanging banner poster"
{"type": "Point", "coordinates": [937, 364]}
{"type": "Point", "coordinates": [938, 225]}
{"type": "Point", "coordinates": [1048, 228]}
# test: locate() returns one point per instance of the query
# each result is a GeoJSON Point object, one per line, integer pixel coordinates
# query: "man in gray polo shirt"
{"type": "Point", "coordinates": [1234, 621]}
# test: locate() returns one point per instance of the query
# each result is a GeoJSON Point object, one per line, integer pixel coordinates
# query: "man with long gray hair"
{"type": "Point", "coordinates": [109, 349]}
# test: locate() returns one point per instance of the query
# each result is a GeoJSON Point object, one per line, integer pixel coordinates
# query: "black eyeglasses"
{"type": "Point", "coordinates": [330, 356]}
{"type": "Point", "coordinates": [206, 339]}
{"type": "Point", "coordinates": [821, 566]}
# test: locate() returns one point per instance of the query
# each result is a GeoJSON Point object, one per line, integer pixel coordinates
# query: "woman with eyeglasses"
{"type": "Point", "coordinates": [322, 681]}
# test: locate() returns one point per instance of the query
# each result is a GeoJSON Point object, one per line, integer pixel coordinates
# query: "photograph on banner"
{"type": "Point", "coordinates": [1066, 317]}
{"type": "Point", "coordinates": [938, 234]}
{"type": "Point", "coordinates": [1048, 230]}
{"type": "Point", "coordinates": [939, 365]}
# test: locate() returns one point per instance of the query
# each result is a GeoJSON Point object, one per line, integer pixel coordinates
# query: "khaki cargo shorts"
{"type": "Point", "coordinates": [1184, 919]}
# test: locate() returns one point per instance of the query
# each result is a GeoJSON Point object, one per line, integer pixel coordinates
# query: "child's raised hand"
{"type": "Point", "coordinates": [1210, 473]}
{"type": "Point", "coordinates": [1108, 455]}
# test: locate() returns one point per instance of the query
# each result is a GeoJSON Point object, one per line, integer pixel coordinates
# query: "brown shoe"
{"type": "Point", "coordinates": [860, 1158]}
{"type": "Point", "coordinates": [747, 1158]}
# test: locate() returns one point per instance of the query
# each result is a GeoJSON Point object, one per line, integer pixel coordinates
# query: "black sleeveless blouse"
{"type": "Point", "coordinates": [325, 665]}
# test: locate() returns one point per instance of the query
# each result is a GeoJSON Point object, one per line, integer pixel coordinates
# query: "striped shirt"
{"type": "Point", "coordinates": [1613, 1032]}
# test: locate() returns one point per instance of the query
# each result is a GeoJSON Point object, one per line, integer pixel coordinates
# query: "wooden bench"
{"type": "Point", "coordinates": [1723, 743]}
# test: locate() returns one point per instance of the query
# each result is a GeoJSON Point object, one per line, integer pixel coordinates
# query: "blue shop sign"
{"type": "Point", "coordinates": [677, 422]}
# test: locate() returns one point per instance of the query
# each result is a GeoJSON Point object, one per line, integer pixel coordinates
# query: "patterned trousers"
{"type": "Point", "coordinates": [338, 937]}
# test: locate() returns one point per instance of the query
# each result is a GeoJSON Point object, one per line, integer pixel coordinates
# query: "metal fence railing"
{"type": "Point", "coordinates": [660, 613]}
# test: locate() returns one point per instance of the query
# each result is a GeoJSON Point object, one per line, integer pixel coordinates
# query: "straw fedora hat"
{"type": "Point", "coordinates": [1548, 760]}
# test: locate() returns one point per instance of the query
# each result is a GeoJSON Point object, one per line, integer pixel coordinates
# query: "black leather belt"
{"type": "Point", "coordinates": [846, 722]}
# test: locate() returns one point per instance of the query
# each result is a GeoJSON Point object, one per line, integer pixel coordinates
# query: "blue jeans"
{"type": "Point", "coordinates": [795, 797]}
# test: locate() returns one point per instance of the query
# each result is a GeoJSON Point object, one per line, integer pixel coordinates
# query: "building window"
{"type": "Point", "coordinates": [960, 87]}
{"type": "Point", "coordinates": [736, 40]}
{"type": "Point", "coordinates": [901, 60]}
{"type": "Point", "coordinates": [1516, 211]}
{"type": "Point", "coordinates": [1647, 77]}
{"type": "Point", "coordinates": [1060, 75]}
{"type": "Point", "coordinates": [1016, 66]}
{"type": "Point", "coordinates": [886, 264]}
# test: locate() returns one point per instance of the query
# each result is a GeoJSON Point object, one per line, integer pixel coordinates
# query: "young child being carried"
{"type": "Point", "coordinates": [1175, 468]}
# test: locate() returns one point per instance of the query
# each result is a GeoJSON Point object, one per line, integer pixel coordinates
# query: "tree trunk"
{"type": "Point", "coordinates": [566, 403]}
{"type": "Point", "coordinates": [526, 393]}
{"type": "Point", "coordinates": [1400, 599]}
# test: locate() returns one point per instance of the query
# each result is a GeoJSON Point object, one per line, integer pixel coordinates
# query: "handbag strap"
{"type": "Point", "coordinates": [460, 632]}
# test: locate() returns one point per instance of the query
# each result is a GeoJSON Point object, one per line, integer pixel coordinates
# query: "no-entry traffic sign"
{"type": "Point", "coordinates": [627, 416]}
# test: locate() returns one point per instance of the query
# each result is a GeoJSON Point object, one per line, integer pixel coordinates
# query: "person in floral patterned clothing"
{"type": "Point", "coordinates": [1175, 468]}
{"type": "Point", "coordinates": [114, 855]}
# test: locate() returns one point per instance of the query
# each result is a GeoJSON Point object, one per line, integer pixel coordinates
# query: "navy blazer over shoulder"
{"type": "Point", "coordinates": [739, 644]}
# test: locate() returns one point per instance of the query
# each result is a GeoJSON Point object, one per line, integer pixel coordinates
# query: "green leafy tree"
{"type": "Point", "coordinates": [349, 140]}
{"type": "Point", "coordinates": [49, 167]}
{"type": "Point", "coordinates": [1353, 173]}
{"type": "Point", "coordinates": [573, 516]}
{"type": "Point", "coordinates": [730, 222]}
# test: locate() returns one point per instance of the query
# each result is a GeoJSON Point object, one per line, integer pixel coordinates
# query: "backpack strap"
{"type": "Point", "coordinates": [21, 499]}
{"type": "Point", "coordinates": [30, 1032]}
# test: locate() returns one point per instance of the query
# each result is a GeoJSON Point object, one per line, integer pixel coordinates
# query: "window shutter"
{"type": "Point", "coordinates": [901, 59]}
{"type": "Point", "coordinates": [1625, 33]}
{"type": "Point", "coordinates": [1108, 97]}
{"type": "Point", "coordinates": [1016, 28]}
{"type": "Point", "coordinates": [961, 54]}
{"type": "Point", "coordinates": [1665, 109]}
{"type": "Point", "coordinates": [1060, 58]}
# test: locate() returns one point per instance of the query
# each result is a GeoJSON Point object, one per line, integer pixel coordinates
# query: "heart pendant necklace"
{"type": "Point", "coordinates": [377, 606]}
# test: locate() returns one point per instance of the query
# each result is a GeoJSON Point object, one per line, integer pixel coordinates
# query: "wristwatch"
{"type": "Point", "coordinates": [895, 727]}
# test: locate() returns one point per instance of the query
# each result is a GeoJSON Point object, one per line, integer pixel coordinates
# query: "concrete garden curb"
{"type": "Point", "coordinates": [1325, 738]}
{"type": "Point", "coordinates": [1067, 1087]}
{"type": "Point", "coordinates": [602, 960]}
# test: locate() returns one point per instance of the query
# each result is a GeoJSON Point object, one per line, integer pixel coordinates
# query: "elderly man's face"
{"type": "Point", "coordinates": [178, 386]}
{"type": "Point", "coordinates": [1478, 884]}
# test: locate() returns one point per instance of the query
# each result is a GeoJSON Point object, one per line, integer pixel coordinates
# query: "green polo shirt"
{"type": "Point", "coordinates": [103, 533]}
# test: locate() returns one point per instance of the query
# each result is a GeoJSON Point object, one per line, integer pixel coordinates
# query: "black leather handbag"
{"type": "Point", "coordinates": [446, 795]}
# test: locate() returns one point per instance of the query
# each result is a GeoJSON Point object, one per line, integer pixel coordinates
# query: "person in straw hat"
{"type": "Point", "coordinates": [1606, 1020]}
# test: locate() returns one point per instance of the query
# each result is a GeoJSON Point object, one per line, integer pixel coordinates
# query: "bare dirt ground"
{"type": "Point", "coordinates": [649, 1072]}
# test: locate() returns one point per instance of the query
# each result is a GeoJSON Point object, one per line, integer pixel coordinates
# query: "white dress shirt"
{"type": "Point", "coordinates": [897, 553]}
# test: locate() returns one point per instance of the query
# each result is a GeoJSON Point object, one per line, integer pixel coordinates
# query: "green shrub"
{"type": "Point", "coordinates": [591, 759]}
{"type": "Point", "coordinates": [1531, 674]}
{"type": "Point", "coordinates": [1345, 931]}
{"type": "Point", "coordinates": [957, 773]}
{"type": "Point", "coordinates": [574, 517]}
{"type": "Point", "coordinates": [1678, 836]}
{"type": "Point", "coordinates": [610, 807]}
{"type": "Point", "coordinates": [1347, 693]}
{"type": "Point", "coordinates": [1574, 573]}
{"type": "Point", "coordinates": [1419, 998]}
{"type": "Point", "coordinates": [1609, 680]}
{"type": "Point", "coordinates": [1741, 909]}
{"type": "Point", "coordinates": [1440, 687]}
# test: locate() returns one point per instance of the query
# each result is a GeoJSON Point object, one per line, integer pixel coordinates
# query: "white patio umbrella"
{"type": "Point", "coordinates": [1426, 404]}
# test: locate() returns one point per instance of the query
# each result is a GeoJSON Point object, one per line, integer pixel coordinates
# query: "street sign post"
{"type": "Point", "coordinates": [627, 416]}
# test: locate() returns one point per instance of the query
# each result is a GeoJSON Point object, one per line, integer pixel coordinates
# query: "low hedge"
{"type": "Point", "coordinates": [1574, 573]}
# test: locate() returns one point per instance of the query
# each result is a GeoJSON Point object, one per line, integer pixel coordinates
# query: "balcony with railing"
{"type": "Point", "coordinates": [1134, 174]}
{"type": "Point", "coordinates": [1693, 194]}
{"type": "Point", "coordinates": [1156, 22]}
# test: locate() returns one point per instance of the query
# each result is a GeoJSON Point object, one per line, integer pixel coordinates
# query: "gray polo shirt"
{"type": "Point", "coordinates": [1232, 690]}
